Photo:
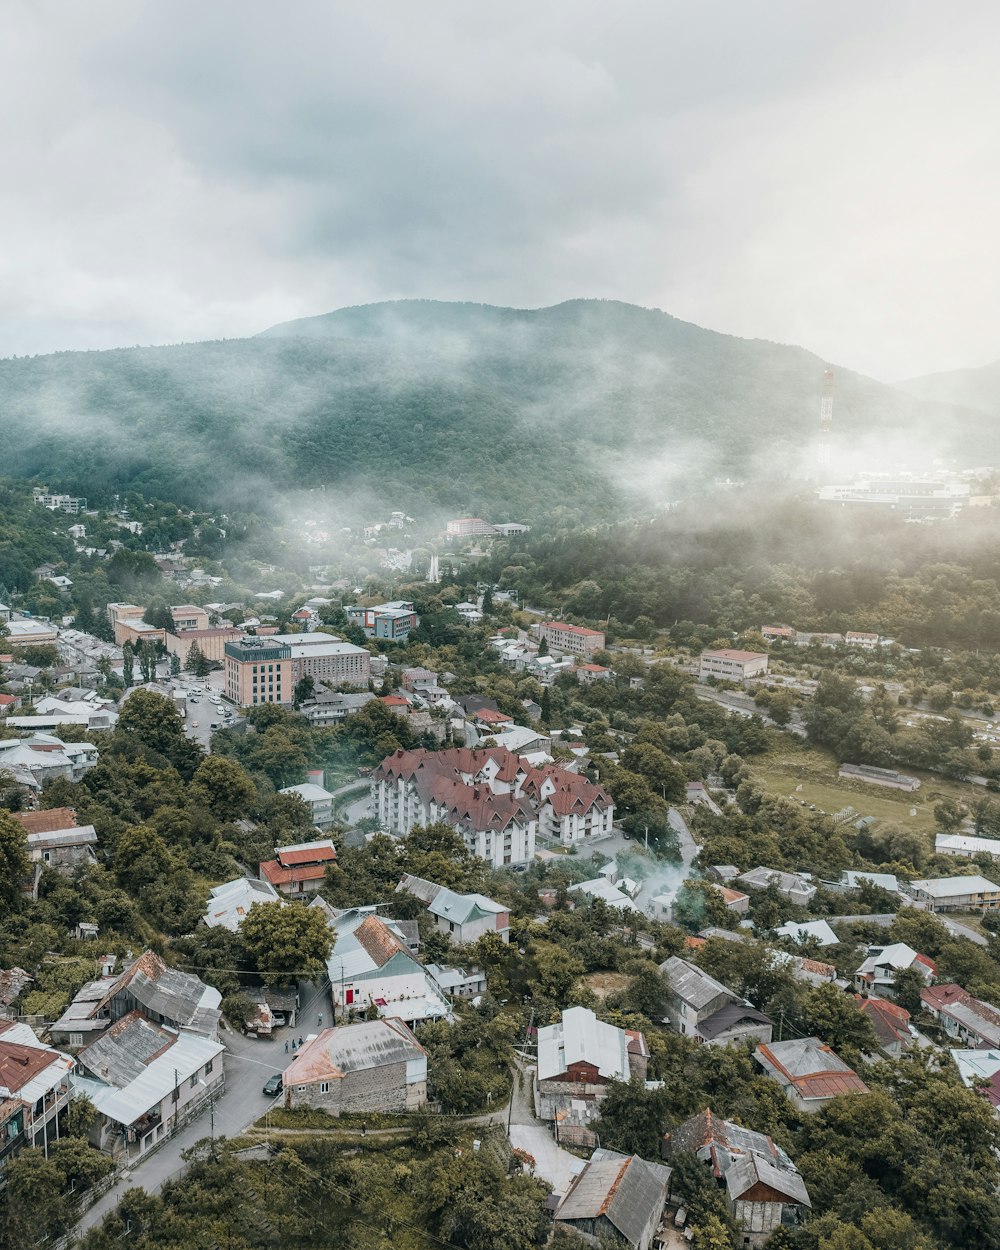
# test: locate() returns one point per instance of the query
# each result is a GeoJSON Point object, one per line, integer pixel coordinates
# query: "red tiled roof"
{"type": "Point", "coordinates": [572, 629]}
{"type": "Point", "coordinates": [47, 820]}
{"type": "Point", "coordinates": [7, 699]}
{"type": "Point", "coordinates": [593, 668]}
{"type": "Point", "coordinates": [938, 996]}
{"type": "Point", "coordinates": [378, 940]}
{"type": "Point", "coordinates": [494, 718]}
{"type": "Point", "coordinates": [394, 700]}
{"type": "Point", "coordinates": [272, 871]}
{"type": "Point", "coordinates": [819, 1084]}
{"type": "Point", "coordinates": [319, 854]}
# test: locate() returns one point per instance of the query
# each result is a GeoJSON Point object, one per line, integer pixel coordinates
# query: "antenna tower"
{"type": "Point", "coordinates": [825, 419]}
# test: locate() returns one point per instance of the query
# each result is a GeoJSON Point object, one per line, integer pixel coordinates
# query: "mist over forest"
{"type": "Point", "coordinates": [581, 410]}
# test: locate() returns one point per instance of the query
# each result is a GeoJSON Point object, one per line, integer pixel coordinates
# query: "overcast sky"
{"type": "Point", "coordinates": [821, 174]}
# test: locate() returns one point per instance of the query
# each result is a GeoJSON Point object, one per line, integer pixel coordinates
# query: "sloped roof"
{"type": "Point", "coordinates": [626, 1190]}
{"type": "Point", "coordinates": [889, 1020]}
{"type": "Point", "coordinates": [167, 992]}
{"type": "Point", "coordinates": [47, 819]}
{"type": "Point", "coordinates": [580, 1037]}
{"type": "Point", "coordinates": [336, 1052]}
{"type": "Point", "coordinates": [691, 984]}
{"type": "Point", "coordinates": [752, 1170]}
{"type": "Point", "coordinates": [812, 1067]}
{"type": "Point", "coordinates": [728, 1017]}
{"type": "Point", "coordinates": [121, 1054]}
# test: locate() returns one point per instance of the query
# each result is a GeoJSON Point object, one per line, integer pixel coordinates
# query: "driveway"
{"type": "Point", "coordinates": [552, 1163]}
{"type": "Point", "coordinates": [248, 1064]}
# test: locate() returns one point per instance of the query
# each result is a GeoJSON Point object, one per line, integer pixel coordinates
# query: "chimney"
{"type": "Point", "coordinates": [315, 777]}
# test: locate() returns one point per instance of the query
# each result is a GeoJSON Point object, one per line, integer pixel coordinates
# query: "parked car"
{"type": "Point", "coordinates": [272, 1087]}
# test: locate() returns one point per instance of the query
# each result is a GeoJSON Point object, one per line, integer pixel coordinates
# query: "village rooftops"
{"type": "Point", "coordinates": [230, 903]}
{"type": "Point", "coordinates": [626, 1190]}
{"type": "Point", "coordinates": [809, 1067]}
{"type": "Point", "coordinates": [334, 1053]}
{"type": "Point", "coordinates": [573, 629]}
{"type": "Point", "coordinates": [580, 1037]}
{"type": "Point", "coordinates": [946, 887]}
{"type": "Point", "coordinates": [741, 657]}
{"type": "Point", "coordinates": [691, 984]}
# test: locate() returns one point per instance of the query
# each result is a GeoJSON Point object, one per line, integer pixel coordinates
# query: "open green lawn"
{"type": "Point", "coordinates": [804, 773]}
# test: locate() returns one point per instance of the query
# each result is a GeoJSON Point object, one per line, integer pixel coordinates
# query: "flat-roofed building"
{"type": "Point", "coordinates": [189, 616]}
{"type": "Point", "coordinates": [27, 632]}
{"type": "Point", "coordinates": [327, 658]}
{"type": "Point", "coordinates": [572, 638]}
{"type": "Point", "coordinates": [210, 642]}
{"type": "Point", "coordinates": [732, 665]}
{"type": "Point", "coordinates": [468, 527]}
{"type": "Point", "coordinates": [391, 621]}
{"type": "Point", "coordinates": [258, 670]}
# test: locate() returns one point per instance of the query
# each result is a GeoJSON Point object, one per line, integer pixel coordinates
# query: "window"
{"type": "Point", "coordinates": [194, 1079]}
{"type": "Point", "coordinates": [209, 1066]}
{"type": "Point", "coordinates": [76, 1039]}
{"type": "Point", "coordinates": [324, 1087]}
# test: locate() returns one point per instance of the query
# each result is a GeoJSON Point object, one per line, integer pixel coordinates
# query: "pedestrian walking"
{"type": "Point", "coordinates": [293, 1045]}
{"type": "Point", "coordinates": [319, 1019]}
{"type": "Point", "coordinates": [300, 1043]}
{"type": "Point", "coordinates": [286, 1045]}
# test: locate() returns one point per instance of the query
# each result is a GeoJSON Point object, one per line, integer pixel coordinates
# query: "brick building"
{"type": "Point", "coordinates": [258, 670]}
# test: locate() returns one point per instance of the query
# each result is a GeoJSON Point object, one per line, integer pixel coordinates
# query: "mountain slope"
{"type": "Point", "coordinates": [514, 413]}
{"type": "Point", "coordinates": [970, 388]}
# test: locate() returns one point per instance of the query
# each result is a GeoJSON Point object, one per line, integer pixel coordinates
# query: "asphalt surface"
{"type": "Point", "coordinates": [248, 1064]}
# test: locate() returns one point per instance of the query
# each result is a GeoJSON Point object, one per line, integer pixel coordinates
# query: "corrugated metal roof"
{"type": "Point", "coordinates": [185, 1058]}
{"type": "Point", "coordinates": [628, 1191]}
{"type": "Point", "coordinates": [581, 1038]}
{"type": "Point", "coordinates": [353, 1048]}
{"type": "Point", "coordinates": [691, 984]}
{"type": "Point", "coordinates": [751, 1170]}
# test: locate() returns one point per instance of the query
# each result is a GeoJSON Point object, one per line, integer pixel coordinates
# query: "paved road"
{"type": "Point", "coordinates": [358, 810]}
{"type": "Point", "coordinates": [552, 1163]}
{"type": "Point", "coordinates": [248, 1064]}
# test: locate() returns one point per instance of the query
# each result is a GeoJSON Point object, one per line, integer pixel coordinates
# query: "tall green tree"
{"type": "Point", "coordinates": [287, 942]}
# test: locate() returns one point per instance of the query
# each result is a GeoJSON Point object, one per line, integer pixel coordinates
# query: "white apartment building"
{"type": "Point", "coordinates": [732, 665]}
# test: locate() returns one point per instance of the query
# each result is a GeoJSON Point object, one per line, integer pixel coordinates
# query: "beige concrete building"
{"type": "Point", "coordinates": [326, 658]}
{"type": "Point", "coordinates": [189, 616]}
{"type": "Point", "coordinates": [211, 642]}
{"type": "Point", "coordinates": [136, 631]}
{"type": "Point", "coordinates": [732, 665]}
{"type": "Point", "coordinates": [258, 670]}
{"type": "Point", "coordinates": [573, 639]}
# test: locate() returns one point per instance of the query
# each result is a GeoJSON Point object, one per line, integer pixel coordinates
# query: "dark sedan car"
{"type": "Point", "coordinates": [273, 1086]}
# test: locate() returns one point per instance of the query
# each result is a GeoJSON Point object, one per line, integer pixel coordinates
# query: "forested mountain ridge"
{"type": "Point", "coordinates": [514, 413]}
{"type": "Point", "coordinates": [971, 388]}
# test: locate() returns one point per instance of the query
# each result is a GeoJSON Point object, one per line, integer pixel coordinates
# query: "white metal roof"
{"type": "Point", "coordinates": [945, 887]}
{"type": "Point", "coordinates": [581, 1038]}
{"type": "Point", "coordinates": [187, 1056]}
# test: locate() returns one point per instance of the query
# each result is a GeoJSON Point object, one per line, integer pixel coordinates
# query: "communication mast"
{"type": "Point", "coordinates": [825, 420]}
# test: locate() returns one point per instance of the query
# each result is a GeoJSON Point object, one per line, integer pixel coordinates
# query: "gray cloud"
{"type": "Point", "coordinates": [814, 175]}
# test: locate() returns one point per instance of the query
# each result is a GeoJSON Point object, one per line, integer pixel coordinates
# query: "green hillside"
{"type": "Point", "coordinates": [508, 412]}
{"type": "Point", "coordinates": [970, 388]}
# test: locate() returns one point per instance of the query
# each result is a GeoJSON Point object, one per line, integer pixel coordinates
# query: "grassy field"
{"type": "Point", "coordinates": [804, 774]}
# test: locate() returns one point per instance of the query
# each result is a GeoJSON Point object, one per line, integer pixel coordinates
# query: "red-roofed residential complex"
{"type": "Point", "coordinates": [495, 799]}
{"type": "Point", "coordinates": [299, 869]}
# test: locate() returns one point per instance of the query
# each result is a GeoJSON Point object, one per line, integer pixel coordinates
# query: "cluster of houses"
{"type": "Point", "coordinates": [497, 800]}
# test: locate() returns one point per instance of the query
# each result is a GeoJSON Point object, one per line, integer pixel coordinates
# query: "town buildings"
{"type": "Point", "coordinates": [877, 975]}
{"type": "Point", "coordinates": [615, 1200]}
{"type": "Point", "coordinates": [463, 917]}
{"type": "Point", "coordinates": [796, 889]}
{"type": "Point", "coordinates": [764, 1189]}
{"type": "Point", "coordinates": [809, 1072]}
{"type": "Point", "coordinates": [731, 665]}
{"type": "Point", "coordinates": [572, 638]}
{"type": "Point", "coordinates": [372, 964]}
{"type": "Point", "coordinates": [326, 659]}
{"type": "Point", "coordinates": [965, 845]}
{"type": "Point", "coordinates": [973, 893]}
{"type": "Point", "coordinates": [373, 1066]}
{"type": "Point", "coordinates": [702, 1008]}
{"type": "Point", "coordinates": [318, 799]}
{"type": "Point", "coordinates": [891, 1024]}
{"type": "Point", "coordinates": [145, 1080]}
{"type": "Point", "coordinates": [581, 1054]}
{"type": "Point", "coordinates": [258, 670]}
{"type": "Point", "coordinates": [229, 904]}
{"type": "Point", "coordinates": [391, 621]}
{"type": "Point", "coordinates": [34, 1090]}
{"type": "Point", "coordinates": [969, 1020]}
{"type": "Point", "coordinates": [299, 870]}
{"type": "Point", "coordinates": [468, 527]}
{"type": "Point", "coordinates": [211, 642]}
{"type": "Point", "coordinates": [494, 798]}
{"type": "Point", "coordinates": [56, 841]}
